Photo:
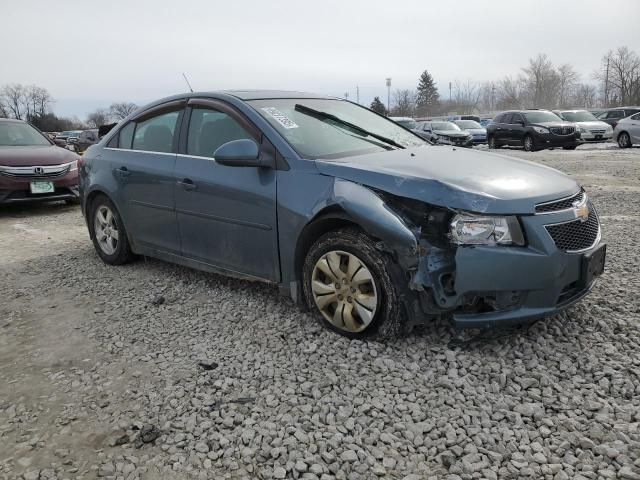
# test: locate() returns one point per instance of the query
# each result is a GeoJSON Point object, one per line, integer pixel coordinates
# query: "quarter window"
{"type": "Point", "coordinates": [209, 129]}
{"type": "Point", "coordinates": [155, 134]}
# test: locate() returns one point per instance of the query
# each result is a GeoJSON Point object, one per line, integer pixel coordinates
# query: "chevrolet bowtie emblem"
{"type": "Point", "coordinates": [581, 211]}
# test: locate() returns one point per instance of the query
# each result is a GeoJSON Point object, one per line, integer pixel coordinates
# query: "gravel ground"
{"type": "Point", "coordinates": [155, 371]}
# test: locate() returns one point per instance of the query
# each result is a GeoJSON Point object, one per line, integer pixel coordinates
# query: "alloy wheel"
{"type": "Point", "coordinates": [528, 144]}
{"type": "Point", "coordinates": [344, 291]}
{"type": "Point", "coordinates": [623, 140]}
{"type": "Point", "coordinates": [106, 230]}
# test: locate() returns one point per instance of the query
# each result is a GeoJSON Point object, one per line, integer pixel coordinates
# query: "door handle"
{"type": "Point", "coordinates": [122, 172]}
{"type": "Point", "coordinates": [187, 184]}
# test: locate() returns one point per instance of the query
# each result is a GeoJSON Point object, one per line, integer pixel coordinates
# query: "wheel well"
{"type": "Point", "coordinates": [315, 229]}
{"type": "Point", "coordinates": [90, 198]}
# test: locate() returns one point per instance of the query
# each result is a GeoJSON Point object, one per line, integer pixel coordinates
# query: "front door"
{"type": "Point", "coordinates": [143, 164]}
{"type": "Point", "coordinates": [516, 130]}
{"type": "Point", "coordinates": [634, 128]}
{"type": "Point", "coordinates": [226, 215]}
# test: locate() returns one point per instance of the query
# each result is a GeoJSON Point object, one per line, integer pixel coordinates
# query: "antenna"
{"type": "Point", "coordinates": [187, 80]}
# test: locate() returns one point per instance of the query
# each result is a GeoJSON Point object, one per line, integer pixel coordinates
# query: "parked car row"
{"type": "Point", "coordinates": [76, 140]}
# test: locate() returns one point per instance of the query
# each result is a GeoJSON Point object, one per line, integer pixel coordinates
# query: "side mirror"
{"type": "Point", "coordinates": [238, 153]}
{"type": "Point", "coordinates": [521, 124]}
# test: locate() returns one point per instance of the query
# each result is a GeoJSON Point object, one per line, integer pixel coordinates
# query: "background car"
{"type": "Point", "coordinates": [453, 118]}
{"type": "Point", "coordinates": [532, 130]}
{"type": "Point", "coordinates": [406, 122]}
{"type": "Point", "coordinates": [613, 115]}
{"type": "Point", "coordinates": [84, 140]}
{"type": "Point", "coordinates": [477, 131]}
{"type": "Point", "coordinates": [444, 133]}
{"type": "Point", "coordinates": [61, 139]}
{"type": "Point", "coordinates": [33, 168]}
{"type": "Point", "coordinates": [627, 131]}
{"type": "Point", "coordinates": [485, 121]}
{"type": "Point", "coordinates": [591, 129]}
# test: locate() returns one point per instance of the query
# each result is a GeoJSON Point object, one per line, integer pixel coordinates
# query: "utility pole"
{"type": "Point", "coordinates": [606, 85]}
{"type": "Point", "coordinates": [388, 95]}
{"type": "Point", "coordinates": [449, 92]}
{"type": "Point", "coordinates": [346, 95]}
{"type": "Point", "coordinates": [357, 94]}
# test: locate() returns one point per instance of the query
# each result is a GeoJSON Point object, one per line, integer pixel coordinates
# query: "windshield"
{"type": "Point", "coordinates": [446, 126]}
{"type": "Point", "coordinates": [541, 117]}
{"type": "Point", "coordinates": [581, 116]}
{"type": "Point", "coordinates": [313, 136]}
{"type": "Point", "coordinates": [408, 123]}
{"type": "Point", "coordinates": [14, 134]}
{"type": "Point", "coordinates": [468, 124]}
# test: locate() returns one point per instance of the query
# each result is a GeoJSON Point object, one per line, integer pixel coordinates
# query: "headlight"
{"type": "Point", "coordinates": [469, 229]}
{"type": "Point", "coordinates": [609, 128]}
{"type": "Point", "coordinates": [583, 130]}
{"type": "Point", "coordinates": [541, 129]}
{"type": "Point", "coordinates": [73, 165]}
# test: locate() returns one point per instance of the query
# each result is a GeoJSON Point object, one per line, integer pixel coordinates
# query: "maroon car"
{"type": "Point", "coordinates": [33, 168]}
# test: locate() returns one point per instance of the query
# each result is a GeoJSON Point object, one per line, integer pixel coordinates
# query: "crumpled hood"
{"type": "Point", "coordinates": [35, 155]}
{"type": "Point", "coordinates": [457, 178]}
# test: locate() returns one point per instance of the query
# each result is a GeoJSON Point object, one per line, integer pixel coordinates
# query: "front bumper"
{"type": "Point", "coordinates": [13, 190]}
{"type": "Point", "coordinates": [455, 141]}
{"type": "Point", "coordinates": [595, 138]}
{"type": "Point", "coordinates": [549, 140]}
{"type": "Point", "coordinates": [481, 286]}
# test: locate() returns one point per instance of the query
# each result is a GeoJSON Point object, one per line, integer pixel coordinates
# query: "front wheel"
{"type": "Point", "coordinates": [624, 141]}
{"type": "Point", "coordinates": [108, 233]}
{"type": "Point", "coordinates": [492, 143]}
{"type": "Point", "coordinates": [529, 144]}
{"type": "Point", "coordinates": [348, 285]}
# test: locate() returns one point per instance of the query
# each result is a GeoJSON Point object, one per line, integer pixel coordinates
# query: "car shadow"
{"type": "Point", "coordinates": [22, 210]}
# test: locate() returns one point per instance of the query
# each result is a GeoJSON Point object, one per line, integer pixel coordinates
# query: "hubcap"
{"type": "Point", "coordinates": [106, 230]}
{"type": "Point", "coordinates": [344, 291]}
{"type": "Point", "coordinates": [527, 143]}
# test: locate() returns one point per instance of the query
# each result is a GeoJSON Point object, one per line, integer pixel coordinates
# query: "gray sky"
{"type": "Point", "coordinates": [89, 54]}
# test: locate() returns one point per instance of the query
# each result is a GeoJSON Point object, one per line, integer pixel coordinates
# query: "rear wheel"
{"type": "Point", "coordinates": [348, 285]}
{"type": "Point", "coordinates": [108, 233]}
{"type": "Point", "coordinates": [624, 141]}
{"type": "Point", "coordinates": [529, 144]}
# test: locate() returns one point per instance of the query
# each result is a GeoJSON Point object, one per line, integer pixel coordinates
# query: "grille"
{"type": "Point", "coordinates": [29, 173]}
{"type": "Point", "coordinates": [597, 132]}
{"type": "Point", "coordinates": [562, 204]}
{"type": "Point", "coordinates": [561, 130]}
{"type": "Point", "coordinates": [576, 235]}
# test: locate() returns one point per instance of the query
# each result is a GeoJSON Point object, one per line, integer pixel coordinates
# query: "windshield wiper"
{"type": "Point", "coordinates": [328, 116]}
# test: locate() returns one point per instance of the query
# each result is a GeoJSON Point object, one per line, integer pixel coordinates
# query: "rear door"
{"type": "Point", "coordinates": [143, 164]}
{"type": "Point", "coordinates": [226, 215]}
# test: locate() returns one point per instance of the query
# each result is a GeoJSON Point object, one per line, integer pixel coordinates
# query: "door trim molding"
{"type": "Point", "coordinates": [244, 223]}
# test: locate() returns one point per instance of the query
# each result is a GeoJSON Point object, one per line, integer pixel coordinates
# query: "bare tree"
{"type": "Point", "coordinates": [567, 81]}
{"type": "Point", "coordinates": [585, 95]}
{"type": "Point", "coordinates": [466, 97]}
{"type": "Point", "coordinates": [541, 81]}
{"type": "Point", "coordinates": [509, 93]}
{"type": "Point", "coordinates": [405, 103]}
{"type": "Point", "coordinates": [624, 74]}
{"type": "Point", "coordinates": [98, 118]}
{"type": "Point", "coordinates": [119, 111]}
{"type": "Point", "coordinates": [13, 98]}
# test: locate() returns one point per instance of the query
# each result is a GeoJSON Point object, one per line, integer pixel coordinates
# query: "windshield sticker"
{"type": "Point", "coordinates": [280, 117]}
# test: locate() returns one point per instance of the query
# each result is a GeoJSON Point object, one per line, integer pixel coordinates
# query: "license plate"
{"type": "Point", "coordinates": [593, 264]}
{"type": "Point", "coordinates": [42, 187]}
{"type": "Point", "coordinates": [598, 137]}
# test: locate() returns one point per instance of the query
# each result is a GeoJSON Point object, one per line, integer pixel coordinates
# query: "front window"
{"type": "Point", "coordinates": [313, 136]}
{"type": "Point", "coordinates": [15, 134]}
{"type": "Point", "coordinates": [581, 116]}
{"type": "Point", "coordinates": [210, 129]}
{"type": "Point", "coordinates": [445, 126]}
{"type": "Point", "coordinates": [541, 117]}
{"type": "Point", "coordinates": [468, 124]}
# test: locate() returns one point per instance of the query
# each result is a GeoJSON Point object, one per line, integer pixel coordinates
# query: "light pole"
{"type": "Point", "coordinates": [388, 95]}
{"type": "Point", "coordinates": [357, 94]}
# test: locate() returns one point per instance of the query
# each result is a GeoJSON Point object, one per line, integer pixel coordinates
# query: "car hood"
{"type": "Point", "coordinates": [594, 124]}
{"type": "Point", "coordinates": [451, 133]}
{"type": "Point", "coordinates": [456, 178]}
{"type": "Point", "coordinates": [35, 155]}
{"type": "Point", "coordinates": [554, 124]}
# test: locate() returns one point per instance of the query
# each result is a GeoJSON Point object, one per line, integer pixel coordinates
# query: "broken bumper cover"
{"type": "Point", "coordinates": [504, 285]}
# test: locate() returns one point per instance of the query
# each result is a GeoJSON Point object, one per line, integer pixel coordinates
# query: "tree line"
{"type": "Point", "coordinates": [539, 84]}
{"type": "Point", "coordinates": [34, 104]}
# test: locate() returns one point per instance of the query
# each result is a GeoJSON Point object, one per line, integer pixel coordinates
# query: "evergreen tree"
{"type": "Point", "coordinates": [378, 107]}
{"type": "Point", "coordinates": [428, 95]}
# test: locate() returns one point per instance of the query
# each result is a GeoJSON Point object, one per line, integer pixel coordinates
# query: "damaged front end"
{"type": "Point", "coordinates": [435, 288]}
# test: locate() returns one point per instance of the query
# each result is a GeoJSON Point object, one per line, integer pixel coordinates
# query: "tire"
{"type": "Point", "coordinates": [624, 141]}
{"type": "Point", "coordinates": [367, 304]}
{"type": "Point", "coordinates": [573, 147]}
{"type": "Point", "coordinates": [112, 243]}
{"type": "Point", "coordinates": [492, 143]}
{"type": "Point", "coordinates": [529, 144]}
